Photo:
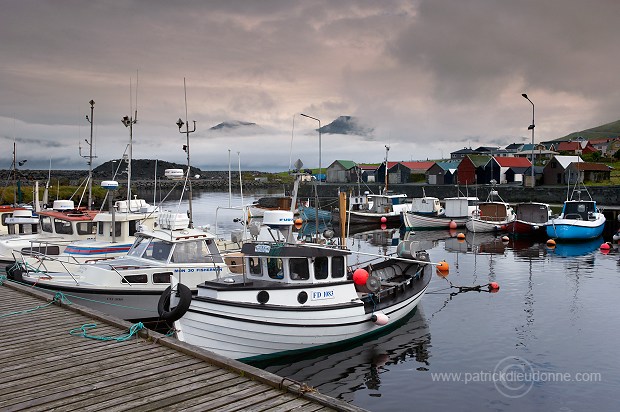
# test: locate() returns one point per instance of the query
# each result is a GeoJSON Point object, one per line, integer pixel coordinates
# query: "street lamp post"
{"type": "Point", "coordinates": [180, 123]}
{"type": "Point", "coordinates": [531, 127]}
{"type": "Point", "coordinates": [320, 168]}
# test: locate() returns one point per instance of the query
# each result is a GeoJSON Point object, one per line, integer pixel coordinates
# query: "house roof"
{"type": "Point", "coordinates": [573, 146]}
{"type": "Point", "coordinates": [565, 161]}
{"type": "Point", "coordinates": [449, 164]}
{"type": "Point", "coordinates": [590, 166]}
{"type": "Point", "coordinates": [347, 164]}
{"type": "Point", "coordinates": [424, 166]}
{"type": "Point", "coordinates": [513, 161]}
{"type": "Point", "coordinates": [369, 166]}
{"type": "Point", "coordinates": [514, 146]}
{"type": "Point", "coordinates": [479, 160]}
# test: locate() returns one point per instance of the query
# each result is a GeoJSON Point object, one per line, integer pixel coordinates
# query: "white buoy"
{"type": "Point", "coordinates": [380, 318]}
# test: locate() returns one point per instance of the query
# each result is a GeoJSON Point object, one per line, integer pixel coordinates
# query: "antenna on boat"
{"type": "Point", "coordinates": [180, 123]}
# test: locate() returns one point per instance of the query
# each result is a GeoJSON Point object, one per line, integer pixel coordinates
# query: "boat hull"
{"type": "Point", "coordinates": [419, 221]}
{"type": "Point", "coordinates": [480, 225]}
{"type": "Point", "coordinates": [226, 322]}
{"type": "Point", "coordinates": [572, 229]}
{"type": "Point", "coordinates": [355, 217]}
{"type": "Point", "coordinates": [524, 228]}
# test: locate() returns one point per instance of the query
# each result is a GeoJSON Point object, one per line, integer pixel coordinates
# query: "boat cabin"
{"type": "Point", "coordinates": [460, 206]}
{"type": "Point", "coordinates": [387, 203]}
{"type": "Point", "coordinates": [20, 222]}
{"type": "Point", "coordinates": [286, 263]}
{"type": "Point", "coordinates": [426, 205]}
{"type": "Point", "coordinates": [579, 209]}
{"type": "Point", "coordinates": [129, 218]}
{"type": "Point", "coordinates": [197, 247]}
{"type": "Point", "coordinates": [67, 221]}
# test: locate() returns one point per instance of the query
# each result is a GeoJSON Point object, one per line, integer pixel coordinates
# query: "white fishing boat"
{"type": "Point", "coordinates": [295, 297]}
{"type": "Point", "coordinates": [59, 226]}
{"type": "Point", "coordinates": [114, 235]}
{"type": "Point", "coordinates": [129, 287]}
{"type": "Point", "coordinates": [455, 213]}
{"type": "Point", "coordinates": [491, 216]}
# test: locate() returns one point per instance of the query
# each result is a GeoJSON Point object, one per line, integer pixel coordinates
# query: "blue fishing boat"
{"type": "Point", "coordinates": [579, 220]}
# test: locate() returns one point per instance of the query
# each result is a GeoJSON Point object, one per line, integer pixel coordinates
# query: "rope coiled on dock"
{"type": "Point", "coordinates": [83, 331]}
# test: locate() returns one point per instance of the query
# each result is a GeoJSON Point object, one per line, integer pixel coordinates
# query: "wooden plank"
{"type": "Point", "coordinates": [239, 404]}
{"type": "Point", "coordinates": [202, 401]}
{"type": "Point", "coordinates": [121, 394]}
{"type": "Point", "coordinates": [282, 403]}
{"type": "Point", "coordinates": [158, 390]}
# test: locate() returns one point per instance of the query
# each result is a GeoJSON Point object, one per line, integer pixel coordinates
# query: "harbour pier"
{"type": "Point", "coordinates": [122, 367]}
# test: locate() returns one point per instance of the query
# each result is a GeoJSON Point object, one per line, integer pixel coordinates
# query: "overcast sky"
{"type": "Point", "coordinates": [430, 76]}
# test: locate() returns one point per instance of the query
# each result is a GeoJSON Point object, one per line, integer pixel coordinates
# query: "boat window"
{"type": "Point", "coordinates": [46, 224]}
{"type": "Point", "coordinates": [4, 216]}
{"type": "Point", "coordinates": [274, 268]}
{"type": "Point", "coordinates": [45, 250]}
{"type": "Point", "coordinates": [63, 227]}
{"type": "Point", "coordinates": [85, 228]}
{"type": "Point", "coordinates": [27, 229]}
{"type": "Point", "coordinates": [214, 252]}
{"type": "Point", "coordinates": [162, 277]}
{"type": "Point", "coordinates": [191, 252]}
{"type": "Point", "coordinates": [581, 208]}
{"type": "Point", "coordinates": [139, 246]}
{"type": "Point", "coordinates": [117, 229]}
{"type": "Point", "coordinates": [134, 279]}
{"type": "Point", "coordinates": [298, 268]}
{"type": "Point", "coordinates": [255, 265]}
{"type": "Point", "coordinates": [158, 250]}
{"type": "Point", "coordinates": [338, 269]}
{"type": "Point", "coordinates": [134, 226]}
{"type": "Point", "coordinates": [100, 228]}
{"type": "Point", "coordinates": [321, 267]}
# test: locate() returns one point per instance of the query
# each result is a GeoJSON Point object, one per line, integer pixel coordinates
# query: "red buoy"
{"type": "Point", "coordinates": [452, 224]}
{"type": "Point", "coordinates": [494, 286]}
{"type": "Point", "coordinates": [360, 276]}
{"type": "Point", "coordinates": [605, 246]}
{"type": "Point", "coordinates": [383, 219]}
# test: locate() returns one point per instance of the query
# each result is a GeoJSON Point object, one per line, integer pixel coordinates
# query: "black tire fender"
{"type": "Point", "coordinates": [173, 314]}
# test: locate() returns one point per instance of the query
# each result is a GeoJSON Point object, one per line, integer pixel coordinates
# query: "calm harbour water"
{"type": "Point", "coordinates": [546, 341]}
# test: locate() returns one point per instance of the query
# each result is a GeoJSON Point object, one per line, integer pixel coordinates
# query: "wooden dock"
{"type": "Point", "coordinates": [44, 367]}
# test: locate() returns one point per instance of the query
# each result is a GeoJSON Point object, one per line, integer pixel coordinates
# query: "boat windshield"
{"type": "Point", "coordinates": [198, 251]}
{"type": "Point", "coordinates": [151, 248]}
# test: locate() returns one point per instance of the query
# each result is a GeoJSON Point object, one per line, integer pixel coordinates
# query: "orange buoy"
{"type": "Point", "coordinates": [505, 238]}
{"type": "Point", "coordinates": [298, 221]}
{"type": "Point", "coordinates": [551, 243]}
{"type": "Point", "coordinates": [442, 273]}
{"type": "Point", "coordinates": [443, 266]}
{"type": "Point", "coordinates": [460, 236]}
{"type": "Point", "coordinates": [452, 224]}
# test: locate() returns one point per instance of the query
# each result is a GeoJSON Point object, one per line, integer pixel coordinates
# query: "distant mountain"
{"type": "Point", "coordinates": [608, 131]}
{"type": "Point", "coordinates": [232, 124]}
{"type": "Point", "coordinates": [141, 169]}
{"type": "Point", "coordinates": [347, 125]}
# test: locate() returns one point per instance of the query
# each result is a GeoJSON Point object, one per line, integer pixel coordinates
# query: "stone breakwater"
{"type": "Point", "coordinates": [218, 181]}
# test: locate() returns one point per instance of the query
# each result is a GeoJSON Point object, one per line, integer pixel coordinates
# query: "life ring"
{"type": "Point", "coordinates": [14, 272]}
{"type": "Point", "coordinates": [173, 314]}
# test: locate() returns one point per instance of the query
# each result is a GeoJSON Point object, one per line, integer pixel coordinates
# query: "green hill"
{"type": "Point", "coordinates": [608, 130]}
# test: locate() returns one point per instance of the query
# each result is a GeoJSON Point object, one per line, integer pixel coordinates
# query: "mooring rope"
{"type": "Point", "coordinates": [58, 297]}
{"type": "Point", "coordinates": [83, 331]}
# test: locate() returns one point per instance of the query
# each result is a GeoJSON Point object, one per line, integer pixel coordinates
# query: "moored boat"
{"type": "Point", "coordinates": [294, 297]}
{"type": "Point", "coordinates": [455, 213]}
{"type": "Point", "coordinates": [530, 219]}
{"type": "Point", "coordinates": [579, 220]}
{"type": "Point", "coordinates": [491, 216]}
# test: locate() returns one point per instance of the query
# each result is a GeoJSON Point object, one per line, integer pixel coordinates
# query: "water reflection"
{"type": "Point", "coordinates": [360, 366]}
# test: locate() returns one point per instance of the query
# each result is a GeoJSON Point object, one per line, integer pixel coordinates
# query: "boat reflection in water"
{"type": "Point", "coordinates": [567, 249]}
{"type": "Point", "coordinates": [358, 366]}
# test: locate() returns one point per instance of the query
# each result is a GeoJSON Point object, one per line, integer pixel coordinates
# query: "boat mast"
{"type": "Point", "coordinates": [129, 121]}
{"type": "Point", "coordinates": [90, 156]}
{"type": "Point", "coordinates": [385, 189]}
{"type": "Point", "coordinates": [180, 123]}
